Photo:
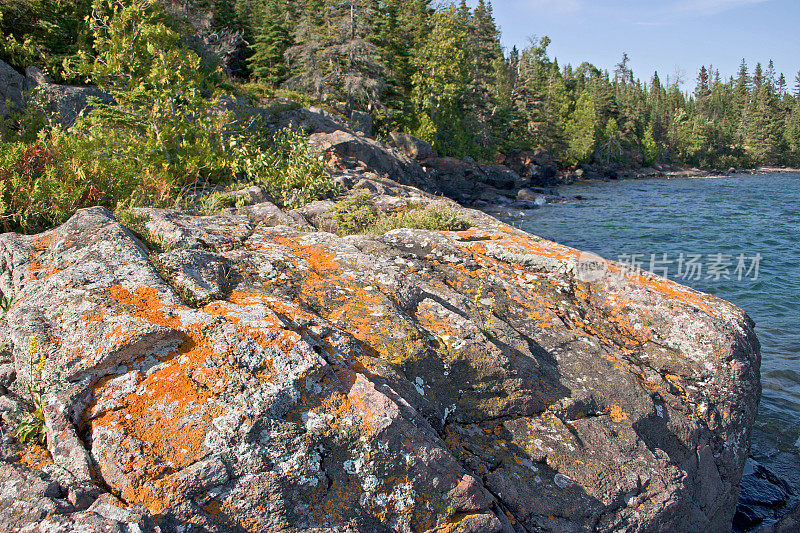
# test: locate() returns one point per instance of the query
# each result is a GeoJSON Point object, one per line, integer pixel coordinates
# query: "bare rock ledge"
{"type": "Point", "coordinates": [275, 378]}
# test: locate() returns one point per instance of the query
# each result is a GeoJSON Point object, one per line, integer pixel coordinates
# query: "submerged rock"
{"type": "Point", "coordinates": [249, 377]}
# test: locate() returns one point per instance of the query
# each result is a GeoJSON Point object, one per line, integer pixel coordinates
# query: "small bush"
{"type": "Point", "coordinates": [359, 215]}
{"type": "Point", "coordinates": [42, 183]}
{"type": "Point", "coordinates": [431, 218]}
{"type": "Point", "coordinates": [284, 164]}
{"type": "Point", "coordinates": [355, 214]}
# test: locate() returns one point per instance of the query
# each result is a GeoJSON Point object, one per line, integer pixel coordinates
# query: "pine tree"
{"type": "Point", "coordinates": [333, 58]}
{"type": "Point", "coordinates": [792, 132]}
{"type": "Point", "coordinates": [557, 110]}
{"type": "Point", "coordinates": [702, 93]}
{"type": "Point", "coordinates": [581, 130]}
{"type": "Point", "coordinates": [531, 101]}
{"type": "Point", "coordinates": [224, 15]}
{"type": "Point", "coordinates": [267, 63]}
{"type": "Point", "coordinates": [797, 85]}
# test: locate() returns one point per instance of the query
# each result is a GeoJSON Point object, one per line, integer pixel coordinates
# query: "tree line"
{"type": "Point", "coordinates": [440, 73]}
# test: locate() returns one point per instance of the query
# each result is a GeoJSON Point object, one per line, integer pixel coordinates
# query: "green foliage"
{"type": "Point", "coordinates": [284, 164]}
{"type": "Point", "coordinates": [32, 428]}
{"type": "Point", "coordinates": [5, 304]}
{"type": "Point", "coordinates": [441, 66]}
{"type": "Point", "coordinates": [431, 218]}
{"type": "Point", "coordinates": [650, 150]}
{"type": "Point", "coordinates": [43, 183]}
{"type": "Point", "coordinates": [44, 33]}
{"type": "Point", "coordinates": [581, 130]}
{"type": "Point", "coordinates": [271, 39]}
{"type": "Point", "coordinates": [160, 121]}
{"type": "Point", "coordinates": [358, 214]}
{"type": "Point", "coordinates": [355, 214]}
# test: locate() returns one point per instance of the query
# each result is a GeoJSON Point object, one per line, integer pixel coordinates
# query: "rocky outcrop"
{"type": "Point", "coordinates": [344, 150]}
{"type": "Point", "coordinates": [248, 376]}
{"type": "Point", "coordinates": [62, 103]}
{"type": "Point", "coordinates": [362, 123]}
{"type": "Point", "coordinates": [65, 103]}
{"type": "Point", "coordinates": [788, 524]}
{"type": "Point", "coordinates": [12, 89]}
{"type": "Point", "coordinates": [410, 146]}
{"type": "Point", "coordinates": [537, 166]}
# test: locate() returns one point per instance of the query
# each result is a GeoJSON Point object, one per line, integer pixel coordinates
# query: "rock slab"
{"type": "Point", "coordinates": [252, 377]}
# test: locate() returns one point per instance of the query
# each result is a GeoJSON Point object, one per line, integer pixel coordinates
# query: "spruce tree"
{"type": "Point", "coordinates": [267, 63]}
{"type": "Point", "coordinates": [581, 130]}
{"type": "Point", "coordinates": [333, 58]}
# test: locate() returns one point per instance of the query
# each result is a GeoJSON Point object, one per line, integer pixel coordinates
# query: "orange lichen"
{"type": "Point", "coordinates": [673, 291]}
{"type": "Point", "coordinates": [617, 414]}
{"type": "Point", "coordinates": [92, 316]}
{"type": "Point", "coordinates": [35, 456]}
{"type": "Point", "coordinates": [147, 302]}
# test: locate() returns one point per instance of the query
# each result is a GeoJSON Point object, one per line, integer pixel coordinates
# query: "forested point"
{"type": "Point", "coordinates": [156, 128]}
{"type": "Point", "coordinates": [441, 74]}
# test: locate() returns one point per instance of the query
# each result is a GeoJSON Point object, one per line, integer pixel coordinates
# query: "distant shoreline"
{"type": "Point", "coordinates": [685, 172]}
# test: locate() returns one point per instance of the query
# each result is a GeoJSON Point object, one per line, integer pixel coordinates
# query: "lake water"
{"type": "Point", "coordinates": [713, 231]}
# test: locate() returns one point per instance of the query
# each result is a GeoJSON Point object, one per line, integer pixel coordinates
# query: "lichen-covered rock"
{"type": "Point", "coordinates": [248, 377]}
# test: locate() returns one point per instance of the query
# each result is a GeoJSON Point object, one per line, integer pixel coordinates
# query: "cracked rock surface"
{"type": "Point", "coordinates": [262, 377]}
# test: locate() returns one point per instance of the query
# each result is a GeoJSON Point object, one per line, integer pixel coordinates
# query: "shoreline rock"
{"type": "Point", "coordinates": [258, 372]}
{"type": "Point", "coordinates": [485, 378]}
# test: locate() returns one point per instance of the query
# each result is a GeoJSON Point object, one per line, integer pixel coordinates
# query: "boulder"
{"type": "Point", "coordinates": [538, 166]}
{"type": "Point", "coordinates": [456, 178]}
{"type": "Point", "coordinates": [245, 377]}
{"type": "Point", "coordinates": [501, 177]}
{"type": "Point", "coordinates": [65, 103]}
{"type": "Point", "coordinates": [410, 146]}
{"type": "Point", "coordinates": [36, 77]}
{"type": "Point", "coordinates": [527, 195]}
{"type": "Point", "coordinates": [12, 89]}
{"type": "Point", "coordinates": [762, 493]}
{"type": "Point", "coordinates": [344, 150]}
{"type": "Point", "coordinates": [362, 123]}
{"type": "Point", "coordinates": [788, 524]}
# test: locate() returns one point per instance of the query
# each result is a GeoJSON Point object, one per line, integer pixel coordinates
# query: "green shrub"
{"type": "Point", "coordinates": [431, 218]}
{"type": "Point", "coordinates": [160, 138]}
{"type": "Point", "coordinates": [355, 214]}
{"type": "Point", "coordinates": [43, 183]}
{"type": "Point", "coordinates": [285, 165]}
{"type": "Point", "coordinates": [359, 215]}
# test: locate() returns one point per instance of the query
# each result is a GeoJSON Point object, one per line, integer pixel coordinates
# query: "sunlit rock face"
{"type": "Point", "coordinates": [258, 377]}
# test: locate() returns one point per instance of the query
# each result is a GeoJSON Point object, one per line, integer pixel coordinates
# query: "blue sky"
{"type": "Point", "coordinates": [663, 35]}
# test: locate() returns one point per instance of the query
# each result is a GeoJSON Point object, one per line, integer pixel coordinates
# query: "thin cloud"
{"type": "Point", "coordinates": [561, 7]}
{"type": "Point", "coordinates": [711, 7]}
